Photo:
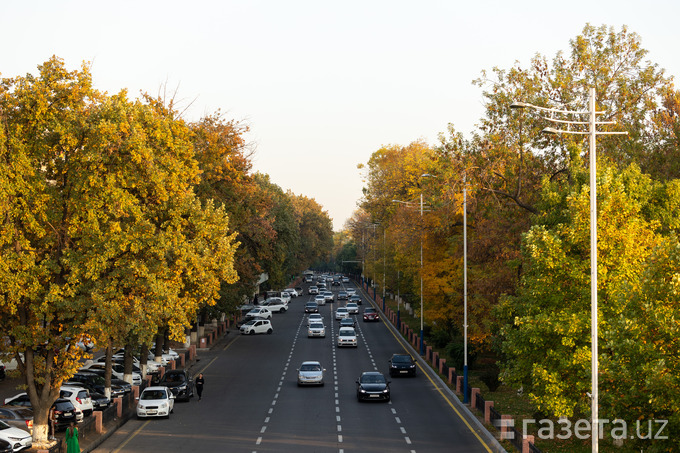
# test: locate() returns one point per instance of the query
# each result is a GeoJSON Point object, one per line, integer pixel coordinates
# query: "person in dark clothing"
{"type": "Point", "coordinates": [200, 380]}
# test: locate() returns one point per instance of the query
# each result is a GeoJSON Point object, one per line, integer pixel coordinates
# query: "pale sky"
{"type": "Point", "coordinates": [322, 84]}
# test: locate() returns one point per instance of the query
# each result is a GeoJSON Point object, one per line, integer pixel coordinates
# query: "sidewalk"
{"type": "Point", "coordinates": [119, 413]}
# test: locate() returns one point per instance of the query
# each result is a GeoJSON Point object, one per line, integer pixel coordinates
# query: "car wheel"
{"type": "Point", "coordinates": [250, 332]}
{"type": "Point", "coordinates": [282, 310]}
{"type": "Point", "coordinates": [269, 331]}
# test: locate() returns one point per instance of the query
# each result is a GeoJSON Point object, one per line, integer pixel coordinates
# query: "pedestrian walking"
{"type": "Point", "coordinates": [200, 380]}
{"type": "Point", "coordinates": [72, 444]}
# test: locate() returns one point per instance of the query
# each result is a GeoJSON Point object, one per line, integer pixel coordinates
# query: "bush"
{"type": "Point", "coordinates": [456, 351]}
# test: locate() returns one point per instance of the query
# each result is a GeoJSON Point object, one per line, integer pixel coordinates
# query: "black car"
{"type": "Point", "coordinates": [311, 307]}
{"type": "Point", "coordinates": [402, 365]}
{"type": "Point", "coordinates": [95, 380]}
{"type": "Point", "coordinates": [372, 385]}
{"type": "Point", "coordinates": [180, 383]}
{"type": "Point", "coordinates": [120, 384]}
{"type": "Point", "coordinates": [355, 298]}
{"type": "Point", "coordinates": [64, 413]}
{"type": "Point", "coordinates": [348, 322]}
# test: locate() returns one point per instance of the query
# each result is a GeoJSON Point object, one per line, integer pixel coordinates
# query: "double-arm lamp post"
{"type": "Point", "coordinates": [592, 132]}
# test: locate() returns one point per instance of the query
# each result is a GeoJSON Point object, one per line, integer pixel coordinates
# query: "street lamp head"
{"type": "Point", "coordinates": [550, 130]}
{"type": "Point", "coordinates": [519, 105]}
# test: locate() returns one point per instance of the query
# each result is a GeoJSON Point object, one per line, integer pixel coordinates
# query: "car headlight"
{"type": "Point", "coordinates": [362, 390]}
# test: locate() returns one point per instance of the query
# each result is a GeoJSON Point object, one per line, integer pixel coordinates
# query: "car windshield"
{"type": "Point", "coordinates": [369, 310]}
{"type": "Point", "coordinates": [3, 425]}
{"type": "Point", "coordinates": [153, 395]}
{"type": "Point", "coordinates": [174, 378]}
{"type": "Point", "coordinates": [310, 367]}
{"type": "Point", "coordinates": [373, 379]}
{"type": "Point", "coordinates": [346, 332]}
{"type": "Point", "coordinates": [316, 326]}
{"type": "Point", "coordinates": [401, 359]}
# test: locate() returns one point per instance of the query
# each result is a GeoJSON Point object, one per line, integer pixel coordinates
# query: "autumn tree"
{"type": "Point", "coordinates": [100, 226]}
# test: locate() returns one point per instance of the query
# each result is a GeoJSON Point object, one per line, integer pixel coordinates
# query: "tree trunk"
{"type": "Point", "coordinates": [127, 364]}
{"type": "Point", "coordinates": [143, 358]}
{"type": "Point", "coordinates": [42, 395]}
{"type": "Point", "coordinates": [158, 351]}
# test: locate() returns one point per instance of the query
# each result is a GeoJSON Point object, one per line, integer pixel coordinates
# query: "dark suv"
{"type": "Point", "coordinates": [180, 383]}
{"type": "Point", "coordinates": [64, 413]}
{"type": "Point", "coordinates": [97, 382]}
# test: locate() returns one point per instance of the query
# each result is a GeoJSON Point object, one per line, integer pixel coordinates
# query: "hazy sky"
{"type": "Point", "coordinates": [322, 84]}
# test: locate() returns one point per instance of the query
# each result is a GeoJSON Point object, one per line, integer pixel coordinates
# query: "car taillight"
{"type": "Point", "coordinates": [29, 424]}
{"type": "Point", "coordinates": [56, 412]}
{"type": "Point", "coordinates": [79, 400]}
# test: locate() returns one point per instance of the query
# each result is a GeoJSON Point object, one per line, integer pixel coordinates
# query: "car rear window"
{"type": "Point", "coordinates": [64, 406]}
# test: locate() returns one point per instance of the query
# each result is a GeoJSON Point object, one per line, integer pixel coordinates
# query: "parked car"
{"type": "Point", "coordinates": [371, 314]}
{"type": "Point", "coordinates": [316, 329]}
{"type": "Point", "coordinates": [263, 312]}
{"type": "Point", "coordinates": [299, 290]}
{"type": "Point", "coordinates": [18, 416]}
{"type": "Point", "coordinates": [275, 305]}
{"type": "Point", "coordinates": [99, 400]}
{"type": "Point", "coordinates": [257, 326]}
{"type": "Point", "coordinates": [117, 370]}
{"type": "Point", "coordinates": [18, 438]}
{"type": "Point", "coordinates": [352, 308]}
{"type": "Point", "coordinates": [372, 385]}
{"type": "Point", "coordinates": [64, 413]}
{"type": "Point", "coordinates": [310, 373]}
{"type": "Point", "coordinates": [95, 379]}
{"type": "Point", "coordinates": [180, 383]}
{"type": "Point", "coordinates": [5, 447]}
{"type": "Point", "coordinates": [402, 365]}
{"type": "Point", "coordinates": [156, 401]}
{"type": "Point", "coordinates": [311, 307]}
{"type": "Point", "coordinates": [347, 336]}
{"type": "Point", "coordinates": [80, 397]}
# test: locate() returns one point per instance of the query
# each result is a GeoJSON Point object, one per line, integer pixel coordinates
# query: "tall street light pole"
{"type": "Point", "coordinates": [465, 320]}
{"type": "Point", "coordinates": [592, 133]}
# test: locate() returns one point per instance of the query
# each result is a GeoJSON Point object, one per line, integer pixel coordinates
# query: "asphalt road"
{"type": "Point", "coordinates": [251, 401]}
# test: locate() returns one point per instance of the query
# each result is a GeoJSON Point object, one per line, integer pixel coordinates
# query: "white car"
{"type": "Point", "coordinates": [350, 291]}
{"type": "Point", "coordinates": [257, 326]}
{"type": "Point", "coordinates": [316, 329]}
{"type": "Point", "coordinates": [347, 336]}
{"type": "Point", "coordinates": [80, 398]}
{"type": "Point", "coordinates": [157, 401]}
{"type": "Point", "coordinates": [292, 291]}
{"type": "Point", "coordinates": [17, 438]}
{"type": "Point", "coordinates": [285, 296]}
{"type": "Point", "coordinates": [262, 312]}
{"type": "Point", "coordinates": [275, 305]}
{"type": "Point", "coordinates": [352, 308]}
{"type": "Point", "coordinates": [329, 296]}
{"type": "Point", "coordinates": [313, 289]}
{"type": "Point", "coordinates": [314, 318]}
{"type": "Point", "coordinates": [320, 300]}
{"type": "Point", "coordinates": [310, 373]}
{"type": "Point", "coordinates": [341, 313]}
{"type": "Point", "coordinates": [117, 370]}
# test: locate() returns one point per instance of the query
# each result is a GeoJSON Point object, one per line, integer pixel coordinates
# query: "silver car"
{"type": "Point", "coordinates": [310, 373]}
{"type": "Point", "coordinates": [316, 329]}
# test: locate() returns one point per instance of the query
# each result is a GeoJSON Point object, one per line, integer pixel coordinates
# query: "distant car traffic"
{"type": "Point", "coordinates": [316, 329]}
{"type": "Point", "coordinates": [347, 336]}
{"type": "Point", "coordinates": [371, 314]}
{"type": "Point", "coordinates": [372, 385]}
{"type": "Point", "coordinates": [341, 313]}
{"type": "Point", "coordinates": [352, 308]}
{"type": "Point", "coordinates": [356, 299]}
{"type": "Point", "coordinates": [310, 373]}
{"type": "Point", "coordinates": [402, 365]}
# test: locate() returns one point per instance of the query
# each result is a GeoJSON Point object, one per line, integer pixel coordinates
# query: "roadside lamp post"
{"type": "Point", "coordinates": [465, 320]}
{"type": "Point", "coordinates": [422, 335]}
{"type": "Point", "coordinates": [592, 133]}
